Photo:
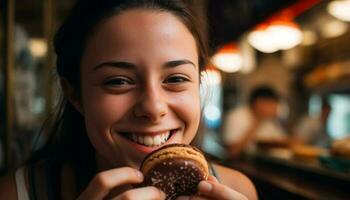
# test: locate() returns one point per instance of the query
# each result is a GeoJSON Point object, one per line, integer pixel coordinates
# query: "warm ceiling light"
{"type": "Point", "coordinates": [333, 29]}
{"type": "Point", "coordinates": [228, 58]}
{"type": "Point", "coordinates": [340, 9]}
{"type": "Point", "coordinates": [228, 62]}
{"type": "Point", "coordinates": [285, 35]}
{"type": "Point", "coordinates": [277, 35]}
{"type": "Point", "coordinates": [260, 40]}
{"type": "Point", "coordinates": [309, 38]}
{"type": "Point", "coordinates": [38, 47]}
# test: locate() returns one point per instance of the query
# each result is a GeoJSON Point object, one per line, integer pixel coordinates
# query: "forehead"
{"type": "Point", "coordinates": [146, 19]}
{"type": "Point", "coordinates": [130, 31]}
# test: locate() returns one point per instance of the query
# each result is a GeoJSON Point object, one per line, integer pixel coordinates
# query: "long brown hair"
{"type": "Point", "coordinates": [68, 141]}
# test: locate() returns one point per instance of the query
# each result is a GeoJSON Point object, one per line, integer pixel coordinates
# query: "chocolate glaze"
{"type": "Point", "coordinates": [175, 176]}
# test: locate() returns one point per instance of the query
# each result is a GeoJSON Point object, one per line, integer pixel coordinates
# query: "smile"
{"type": "Point", "coordinates": [149, 139]}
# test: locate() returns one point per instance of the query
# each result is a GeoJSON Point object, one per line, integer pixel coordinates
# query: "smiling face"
{"type": "Point", "coordinates": [139, 85]}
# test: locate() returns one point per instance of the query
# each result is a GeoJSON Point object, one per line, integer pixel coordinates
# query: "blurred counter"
{"type": "Point", "coordinates": [283, 177]}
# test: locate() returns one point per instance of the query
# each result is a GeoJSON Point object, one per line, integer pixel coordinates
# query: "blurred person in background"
{"type": "Point", "coordinates": [256, 121]}
{"type": "Point", "coordinates": [312, 130]}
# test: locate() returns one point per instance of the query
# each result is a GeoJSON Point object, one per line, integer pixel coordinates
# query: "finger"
{"type": "Point", "coordinates": [215, 190]}
{"type": "Point", "coordinates": [210, 178]}
{"type": "Point", "coordinates": [146, 193]}
{"type": "Point", "coordinates": [105, 181]}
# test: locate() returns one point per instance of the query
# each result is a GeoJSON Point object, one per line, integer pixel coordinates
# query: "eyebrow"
{"type": "Point", "coordinates": [175, 63]}
{"type": "Point", "coordinates": [128, 65]}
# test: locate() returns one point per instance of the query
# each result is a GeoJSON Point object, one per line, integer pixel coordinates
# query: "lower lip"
{"type": "Point", "coordinates": [146, 149]}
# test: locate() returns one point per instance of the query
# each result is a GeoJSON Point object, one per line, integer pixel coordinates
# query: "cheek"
{"type": "Point", "coordinates": [101, 111]}
{"type": "Point", "coordinates": [187, 108]}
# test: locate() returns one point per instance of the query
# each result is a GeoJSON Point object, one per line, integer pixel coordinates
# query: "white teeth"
{"type": "Point", "coordinates": [151, 140]}
{"type": "Point", "coordinates": [148, 140]}
{"type": "Point", "coordinates": [157, 140]}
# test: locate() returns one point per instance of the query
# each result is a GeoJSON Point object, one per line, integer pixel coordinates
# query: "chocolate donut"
{"type": "Point", "coordinates": [176, 169]}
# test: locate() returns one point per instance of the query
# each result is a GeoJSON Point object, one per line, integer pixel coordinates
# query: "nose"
{"type": "Point", "coordinates": [151, 105]}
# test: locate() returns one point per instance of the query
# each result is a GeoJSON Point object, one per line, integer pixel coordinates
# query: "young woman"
{"type": "Point", "coordinates": [130, 71]}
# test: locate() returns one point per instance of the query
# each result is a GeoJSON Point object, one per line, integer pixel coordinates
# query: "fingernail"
{"type": "Point", "coordinates": [139, 174]}
{"type": "Point", "coordinates": [205, 187]}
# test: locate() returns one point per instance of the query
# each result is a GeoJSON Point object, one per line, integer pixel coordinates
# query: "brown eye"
{"type": "Point", "coordinates": [176, 79]}
{"type": "Point", "coordinates": [118, 82]}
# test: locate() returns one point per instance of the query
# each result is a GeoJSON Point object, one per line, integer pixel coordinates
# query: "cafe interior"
{"type": "Point", "coordinates": [295, 53]}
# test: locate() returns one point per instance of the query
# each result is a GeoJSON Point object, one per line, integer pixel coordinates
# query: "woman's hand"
{"type": "Point", "coordinates": [212, 189]}
{"type": "Point", "coordinates": [105, 182]}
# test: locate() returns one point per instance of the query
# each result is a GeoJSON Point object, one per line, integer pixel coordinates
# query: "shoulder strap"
{"type": "Point", "coordinates": [22, 192]}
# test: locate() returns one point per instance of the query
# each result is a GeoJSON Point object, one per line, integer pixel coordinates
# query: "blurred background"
{"type": "Point", "coordinates": [275, 98]}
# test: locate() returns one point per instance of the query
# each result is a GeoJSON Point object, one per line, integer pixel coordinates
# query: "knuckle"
{"type": "Point", "coordinates": [128, 170]}
{"type": "Point", "coordinates": [100, 181]}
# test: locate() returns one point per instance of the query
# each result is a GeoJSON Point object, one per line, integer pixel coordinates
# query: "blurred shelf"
{"type": "Point", "coordinates": [312, 167]}
{"type": "Point", "coordinates": [277, 178]}
{"type": "Point", "coordinates": [274, 182]}
{"type": "Point", "coordinates": [341, 86]}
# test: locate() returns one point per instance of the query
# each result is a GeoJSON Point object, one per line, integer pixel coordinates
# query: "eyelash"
{"type": "Point", "coordinates": [118, 82]}
{"type": "Point", "coordinates": [176, 78]}
{"type": "Point", "coordinates": [124, 82]}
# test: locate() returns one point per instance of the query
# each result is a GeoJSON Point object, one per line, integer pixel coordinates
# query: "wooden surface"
{"type": "Point", "coordinates": [292, 179]}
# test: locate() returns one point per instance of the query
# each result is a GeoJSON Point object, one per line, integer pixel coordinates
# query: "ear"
{"type": "Point", "coordinates": [72, 95]}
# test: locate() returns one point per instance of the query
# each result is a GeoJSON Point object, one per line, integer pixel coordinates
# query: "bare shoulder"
{"type": "Point", "coordinates": [237, 181]}
{"type": "Point", "coordinates": [8, 187]}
